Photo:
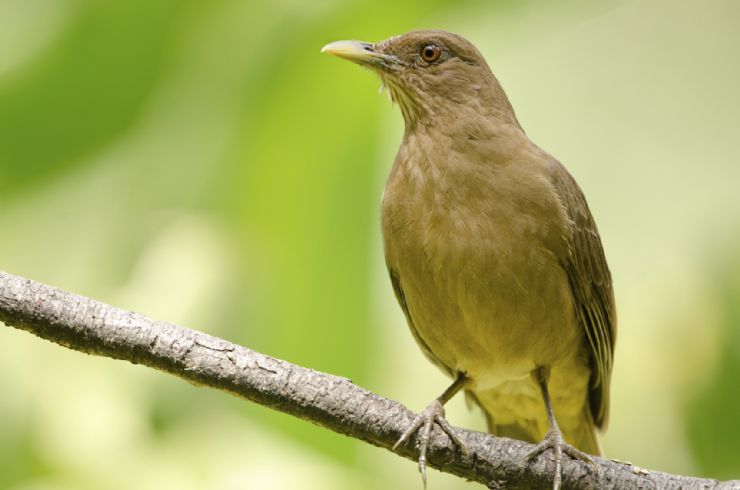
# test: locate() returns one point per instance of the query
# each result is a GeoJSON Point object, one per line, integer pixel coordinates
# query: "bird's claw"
{"type": "Point", "coordinates": [434, 413]}
{"type": "Point", "coordinates": [554, 440]}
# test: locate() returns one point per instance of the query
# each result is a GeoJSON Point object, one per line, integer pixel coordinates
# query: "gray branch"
{"type": "Point", "coordinates": [333, 402]}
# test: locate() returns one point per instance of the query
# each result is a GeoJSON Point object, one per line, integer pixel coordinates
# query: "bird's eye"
{"type": "Point", "coordinates": [430, 53]}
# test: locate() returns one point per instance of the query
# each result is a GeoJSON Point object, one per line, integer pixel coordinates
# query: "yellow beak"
{"type": "Point", "coordinates": [356, 51]}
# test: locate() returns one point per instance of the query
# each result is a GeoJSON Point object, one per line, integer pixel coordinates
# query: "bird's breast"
{"type": "Point", "coordinates": [478, 266]}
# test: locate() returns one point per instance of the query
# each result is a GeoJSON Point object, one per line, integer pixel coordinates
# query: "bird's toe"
{"type": "Point", "coordinates": [424, 422]}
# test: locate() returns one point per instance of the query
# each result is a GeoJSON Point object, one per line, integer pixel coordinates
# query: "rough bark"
{"type": "Point", "coordinates": [333, 402]}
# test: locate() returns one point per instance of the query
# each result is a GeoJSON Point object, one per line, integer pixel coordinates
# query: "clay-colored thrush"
{"type": "Point", "coordinates": [492, 252]}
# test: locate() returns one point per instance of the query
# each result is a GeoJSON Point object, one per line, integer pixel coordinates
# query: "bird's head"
{"type": "Point", "coordinates": [432, 75]}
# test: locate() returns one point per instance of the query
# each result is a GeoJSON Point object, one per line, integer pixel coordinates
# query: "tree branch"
{"type": "Point", "coordinates": [329, 401]}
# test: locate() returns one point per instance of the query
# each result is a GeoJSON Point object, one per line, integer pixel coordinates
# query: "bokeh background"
{"type": "Point", "coordinates": [203, 163]}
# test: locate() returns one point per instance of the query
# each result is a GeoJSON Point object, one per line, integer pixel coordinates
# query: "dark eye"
{"type": "Point", "coordinates": [430, 53]}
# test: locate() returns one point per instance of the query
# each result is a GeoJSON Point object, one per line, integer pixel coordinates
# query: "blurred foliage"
{"type": "Point", "coordinates": [85, 90]}
{"type": "Point", "coordinates": [203, 163]}
{"type": "Point", "coordinates": [712, 422]}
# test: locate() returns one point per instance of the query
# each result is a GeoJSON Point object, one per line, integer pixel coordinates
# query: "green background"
{"type": "Point", "coordinates": [203, 163]}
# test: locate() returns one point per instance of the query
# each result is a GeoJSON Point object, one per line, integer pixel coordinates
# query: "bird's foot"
{"type": "Point", "coordinates": [554, 440]}
{"type": "Point", "coordinates": [434, 413]}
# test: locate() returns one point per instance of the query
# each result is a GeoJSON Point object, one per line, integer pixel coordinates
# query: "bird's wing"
{"type": "Point", "coordinates": [591, 284]}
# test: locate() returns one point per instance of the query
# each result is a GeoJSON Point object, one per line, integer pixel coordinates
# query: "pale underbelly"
{"type": "Point", "coordinates": [520, 402]}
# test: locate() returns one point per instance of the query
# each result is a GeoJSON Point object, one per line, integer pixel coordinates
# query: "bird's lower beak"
{"type": "Point", "coordinates": [358, 52]}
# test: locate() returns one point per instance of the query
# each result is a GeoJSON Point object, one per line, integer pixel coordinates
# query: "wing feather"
{"type": "Point", "coordinates": [593, 295]}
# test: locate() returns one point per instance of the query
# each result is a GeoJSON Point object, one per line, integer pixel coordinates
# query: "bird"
{"type": "Point", "coordinates": [492, 252]}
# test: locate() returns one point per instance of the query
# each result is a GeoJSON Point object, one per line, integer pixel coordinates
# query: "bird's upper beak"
{"type": "Point", "coordinates": [360, 53]}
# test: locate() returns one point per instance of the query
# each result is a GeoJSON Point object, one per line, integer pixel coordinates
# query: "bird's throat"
{"type": "Point", "coordinates": [411, 109]}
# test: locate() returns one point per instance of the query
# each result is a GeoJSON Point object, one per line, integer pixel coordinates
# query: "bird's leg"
{"type": "Point", "coordinates": [554, 437]}
{"type": "Point", "coordinates": [434, 413]}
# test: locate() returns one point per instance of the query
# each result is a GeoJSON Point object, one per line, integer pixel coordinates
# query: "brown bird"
{"type": "Point", "coordinates": [492, 251]}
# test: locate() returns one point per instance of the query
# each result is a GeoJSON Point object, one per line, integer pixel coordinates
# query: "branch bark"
{"type": "Point", "coordinates": [333, 402]}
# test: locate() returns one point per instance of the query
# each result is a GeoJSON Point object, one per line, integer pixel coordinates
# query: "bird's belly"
{"type": "Point", "coordinates": [519, 402]}
{"type": "Point", "coordinates": [494, 312]}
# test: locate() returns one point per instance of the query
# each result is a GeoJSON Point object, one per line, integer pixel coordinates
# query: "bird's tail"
{"type": "Point", "coordinates": [580, 433]}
